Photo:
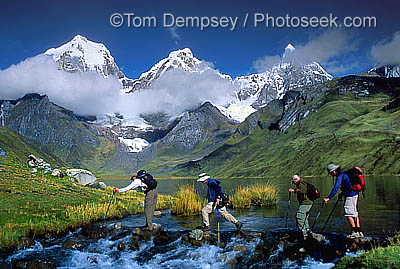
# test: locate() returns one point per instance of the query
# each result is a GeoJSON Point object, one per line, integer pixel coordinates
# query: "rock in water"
{"type": "Point", "coordinates": [157, 214]}
{"type": "Point", "coordinates": [156, 226]}
{"type": "Point", "coordinates": [318, 237]}
{"type": "Point", "coordinates": [196, 234]}
{"type": "Point", "coordinates": [25, 242]}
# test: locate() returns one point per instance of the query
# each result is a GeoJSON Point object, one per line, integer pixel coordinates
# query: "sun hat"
{"type": "Point", "coordinates": [203, 177]}
{"type": "Point", "coordinates": [332, 167]}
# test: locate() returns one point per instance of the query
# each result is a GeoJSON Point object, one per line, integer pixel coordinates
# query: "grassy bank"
{"type": "Point", "coordinates": [188, 201]}
{"type": "Point", "coordinates": [39, 204]}
{"type": "Point", "coordinates": [382, 257]}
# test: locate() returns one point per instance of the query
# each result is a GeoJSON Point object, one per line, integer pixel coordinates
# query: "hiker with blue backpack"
{"type": "Point", "coordinates": [350, 194]}
{"type": "Point", "coordinates": [302, 191]}
{"type": "Point", "coordinates": [214, 193]}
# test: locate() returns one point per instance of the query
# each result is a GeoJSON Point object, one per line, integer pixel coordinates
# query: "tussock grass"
{"type": "Point", "coordinates": [188, 201]}
{"type": "Point", "coordinates": [259, 195]}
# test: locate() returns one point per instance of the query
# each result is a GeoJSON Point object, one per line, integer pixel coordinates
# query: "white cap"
{"type": "Point", "coordinates": [203, 177]}
{"type": "Point", "coordinates": [295, 176]}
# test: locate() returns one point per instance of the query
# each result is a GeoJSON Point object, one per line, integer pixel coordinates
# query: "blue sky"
{"type": "Point", "coordinates": [29, 28]}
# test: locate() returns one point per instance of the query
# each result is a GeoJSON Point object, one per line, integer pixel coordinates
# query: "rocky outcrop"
{"type": "Point", "coordinates": [83, 177]}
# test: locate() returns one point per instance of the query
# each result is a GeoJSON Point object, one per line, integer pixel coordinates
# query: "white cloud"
{"type": "Point", "coordinates": [84, 93]}
{"type": "Point", "coordinates": [387, 52]}
{"type": "Point", "coordinates": [324, 49]}
{"type": "Point", "coordinates": [174, 34]}
{"type": "Point", "coordinates": [266, 62]}
{"type": "Point", "coordinates": [177, 91]}
{"type": "Point", "coordinates": [91, 94]}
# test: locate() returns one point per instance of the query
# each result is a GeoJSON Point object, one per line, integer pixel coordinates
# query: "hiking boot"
{"type": "Point", "coordinates": [353, 235]}
{"type": "Point", "coordinates": [238, 225]}
{"type": "Point", "coordinates": [203, 227]}
{"type": "Point", "coordinates": [147, 229]}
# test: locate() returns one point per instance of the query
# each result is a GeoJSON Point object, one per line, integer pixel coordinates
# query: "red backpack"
{"type": "Point", "coordinates": [357, 179]}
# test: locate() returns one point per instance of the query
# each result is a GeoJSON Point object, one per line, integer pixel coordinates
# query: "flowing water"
{"type": "Point", "coordinates": [379, 212]}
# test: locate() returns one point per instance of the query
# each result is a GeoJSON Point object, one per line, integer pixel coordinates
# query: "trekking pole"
{"type": "Point", "coordinates": [218, 226]}
{"type": "Point", "coordinates": [108, 207]}
{"type": "Point", "coordinates": [333, 209]}
{"type": "Point", "coordinates": [316, 218]}
{"type": "Point", "coordinates": [288, 208]}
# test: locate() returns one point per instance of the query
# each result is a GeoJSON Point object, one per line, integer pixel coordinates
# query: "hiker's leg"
{"type": "Point", "coordinates": [205, 213]}
{"type": "Point", "coordinates": [228, 216]}
{"type": "Point", "coordinates": [306, 225]}
{"type": "Point", "coordinates": [357, 219]}
{"type": "Point", "coordinates": [149, 204]}
{"type": "Point", "coordinates": [351, 222]}
{"type": "Point", "coordinates": [350, 211]}
{"type": "Point", "coordinates": [301, 218]}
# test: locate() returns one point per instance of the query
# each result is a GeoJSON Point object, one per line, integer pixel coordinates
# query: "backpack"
{"type": "Point", "coordinates": [224, 200]}
{"type": "Point", "coordinates": [356, 177]}
{"type": "Point", "coordinates": [312, 192]}
{"type": "Point", "coordinates": [150, 182]}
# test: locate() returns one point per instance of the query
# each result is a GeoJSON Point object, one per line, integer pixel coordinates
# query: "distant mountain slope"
{"type": "Point", "coordinates": [75, 142]}
{"type": "Point", "coordinates": [350, 121]}
{"type": "Point", "coordinates": [17, 148]}
{"type": "Point", "coordinates": [197, 133]}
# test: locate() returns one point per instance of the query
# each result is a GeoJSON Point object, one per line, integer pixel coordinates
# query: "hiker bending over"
{"type": "Point", "coordinates": [148, 185]}
{"type": "Point", "coordinates": [351, 199]}
{"type": "Point", "coordinates": [213, 196]}
{"type": "Point", "coordinates": [305, 204]}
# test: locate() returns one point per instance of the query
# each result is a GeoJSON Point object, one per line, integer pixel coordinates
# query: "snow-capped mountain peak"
{"type": "Point", "coordinates": [280, 78]}
{"type": "Point", "coordinates": [182, 59]}
{"type": "Point", "coordinates": [289, 48]}
{"type": "Point", "coordinates": [83, 55]}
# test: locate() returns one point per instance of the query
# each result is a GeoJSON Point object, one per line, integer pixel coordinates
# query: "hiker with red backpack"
{"type": "Point", "coordinates": [350, 194]}
{"type": "Point", "coordinates": [306, 201]}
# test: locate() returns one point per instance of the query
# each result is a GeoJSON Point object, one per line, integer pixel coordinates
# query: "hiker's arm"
{"type": "Point", "coordinates": [336, 187]}
{"type": "Point", "coordinates": [136, 183]}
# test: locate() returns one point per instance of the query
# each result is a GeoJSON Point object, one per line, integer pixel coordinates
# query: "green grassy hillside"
{"type": "Point", "coordinates": [42, 205]}
{"type": "Point", "coordinates": [18, 148]}
{"type": "Point", "coordinates": [343, 126]}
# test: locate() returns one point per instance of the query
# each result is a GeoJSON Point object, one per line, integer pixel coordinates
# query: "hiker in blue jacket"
{"type": "Point", "coordinates": [351, 199]}
{"type": "Point", "coordinates": [213, 196]}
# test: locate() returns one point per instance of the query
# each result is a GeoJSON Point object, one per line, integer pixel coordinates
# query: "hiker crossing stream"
{"type": "Point", "coordinates": [263, 241]}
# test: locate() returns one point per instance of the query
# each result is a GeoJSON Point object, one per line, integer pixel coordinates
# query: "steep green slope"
{"type": "Point", "coordinates": [341, 121]}
{"type": "Point", "coordinates": [77, 143]}
{"type": "Point", "coordinates": [17, 149]}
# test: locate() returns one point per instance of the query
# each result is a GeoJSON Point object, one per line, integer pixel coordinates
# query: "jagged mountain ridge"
{"type": "Point", "coordinates": [82, 55]}
{"type": "Point", "coordinates": [279, 79]}
{"type": "Point", "coordinates": [387, 71]}
{"type": "Point", "coordinates": [352, 120]}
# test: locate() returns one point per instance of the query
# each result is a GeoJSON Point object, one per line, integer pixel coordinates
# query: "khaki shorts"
{"type": "Point", "coordinates": [350, 206]}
